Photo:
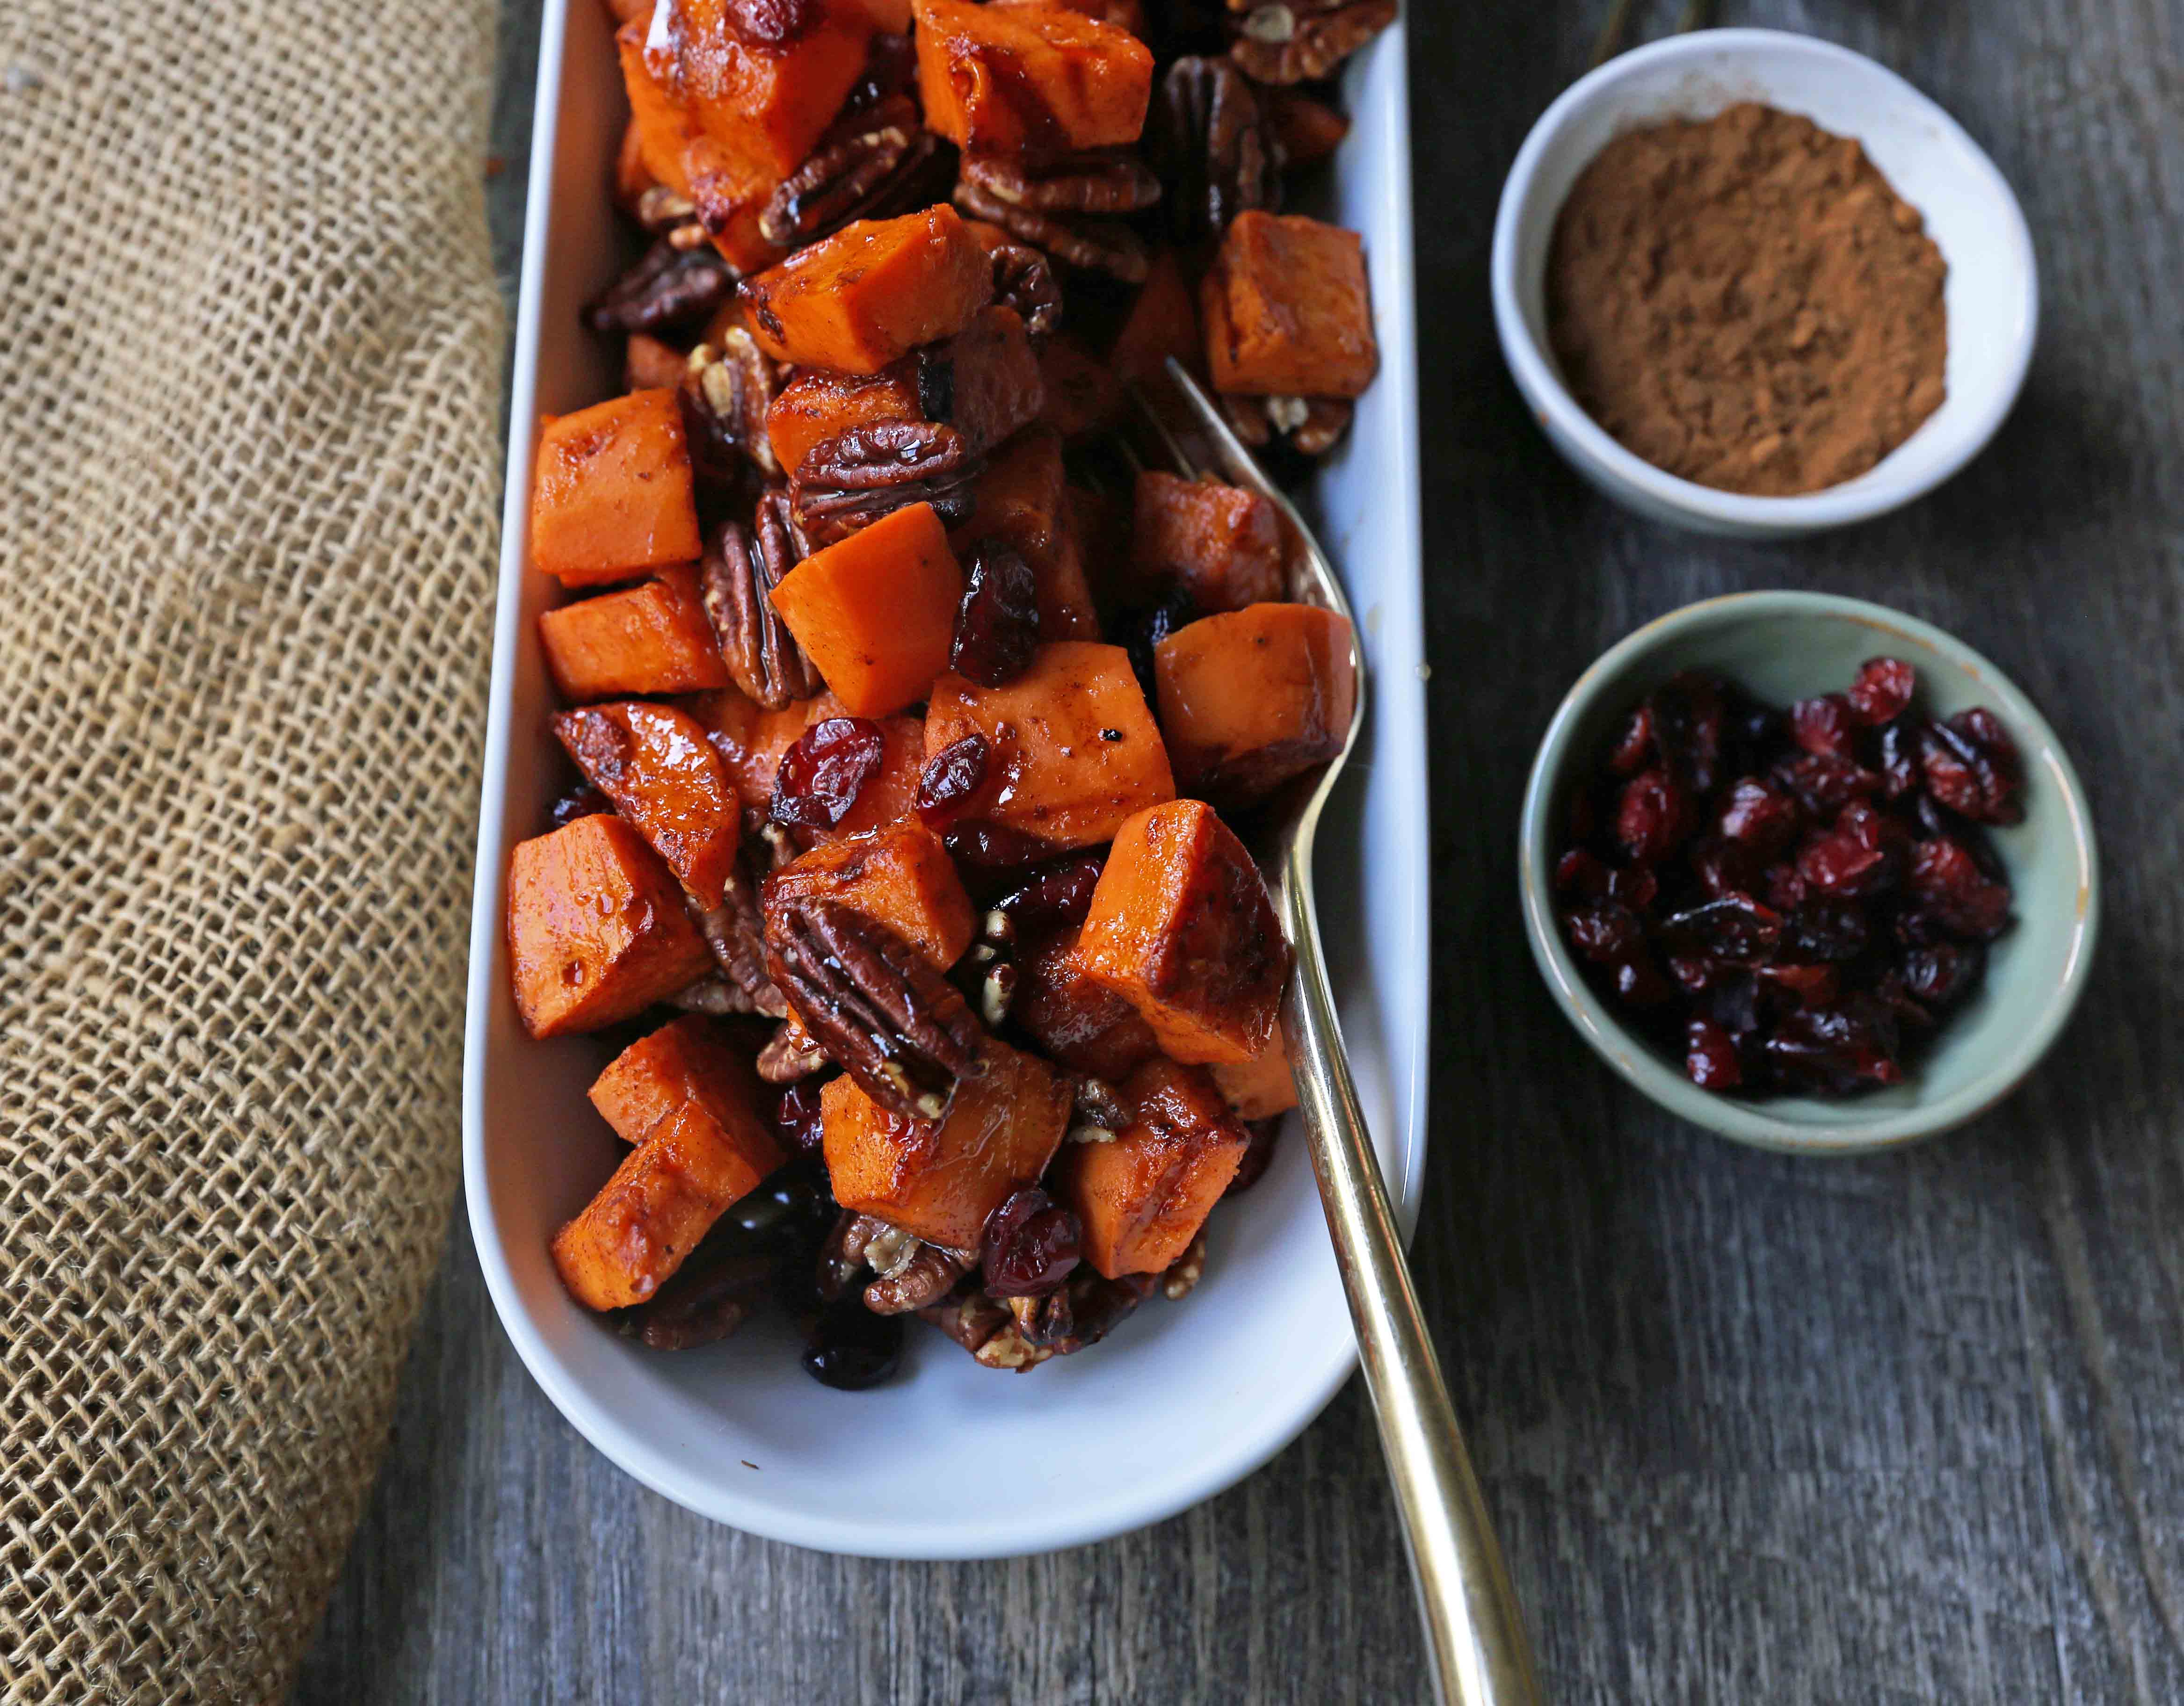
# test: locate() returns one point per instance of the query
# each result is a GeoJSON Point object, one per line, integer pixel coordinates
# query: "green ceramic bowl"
{"type": "Point", "coordinates": [1788, 646]}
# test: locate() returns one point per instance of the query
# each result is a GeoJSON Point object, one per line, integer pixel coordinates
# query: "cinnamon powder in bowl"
{"type": "Point", "coordinates": [1745, 301]}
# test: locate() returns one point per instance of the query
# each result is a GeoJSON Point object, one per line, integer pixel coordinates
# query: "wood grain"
{"type": "Point", "coordinates": [1755, 1429]}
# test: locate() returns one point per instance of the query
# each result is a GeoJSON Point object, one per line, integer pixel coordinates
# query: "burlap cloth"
{"type": "Point", "coordinates": [250, 360]}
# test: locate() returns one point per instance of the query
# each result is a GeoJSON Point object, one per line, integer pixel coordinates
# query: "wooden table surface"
{"type": "Point", "coordinates": [1755, 1429]}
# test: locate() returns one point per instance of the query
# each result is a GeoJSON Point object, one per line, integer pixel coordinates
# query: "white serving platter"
{"type": "Point", "coordinates": [951, 1459]}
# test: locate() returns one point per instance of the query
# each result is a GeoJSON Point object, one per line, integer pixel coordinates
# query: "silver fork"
{"type": "Point", "coordinates": [1474, 1628]}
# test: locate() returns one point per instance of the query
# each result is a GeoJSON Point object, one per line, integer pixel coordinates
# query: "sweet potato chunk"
{"type": "Point", "coordinates": [875, 612]}
{"type": "Point", "coordinates": [613, 496]}
{"type": "Point", "coordinates": [691, 1106]}
{"type": "Point", "coordinates": [1124, 14]}
{"type": "Point", "coordinates": [1080, 1023]}
{"type": "Point", "coordinates": [889, 794]}
{"type": "Point", "coordinates": [871, 292]}
{"type": "Point", "coordinates": [1161, 323]}
{"type": "Point", "coordinates": [648, 639]}
{"type": "Point", "coordinates": [1020, 500]}
{"type": "Point", "coordinates": [1181, 928]}
{"type": "Point", "coordinates": [650, 364]}
{"type": "Point", "coordinates": [1286, 310]}
{"type": "Point", "coordinates": [1221, 543]}
{"type": "Point", "coordinates": [655, 763]}
{"type": "Point", "coordinates": [763, 104]}
{"type": "Point", "coordinates": [985, 382]}
{"type": "Point", "coordinates": [1083, 396]}
{"type": "Point", "coordinates": [1074, 749]}
{"type": "Point", "coordinates": [1306, 129]}
{"type": "Point", "coordinates": [750, 739]}
{"type": "Point", "coordinates": [1142, 1197]}
{"type": "Point", "coordinates": [941, 1181]}
{"type": "Point", "coordinates": [1029, 80]}
{"type": "Point", "coordinates": [1254, 696]}
{"type": "Point", "coordinates": [902, 876]}
{"type": "Point", "coordinates": [1263, 1087]}
{"type": "Point", "coordinates": [596, 928]}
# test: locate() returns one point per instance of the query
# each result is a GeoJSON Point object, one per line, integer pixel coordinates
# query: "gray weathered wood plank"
{"type": "Point", "coordinates": [1755, 1429]}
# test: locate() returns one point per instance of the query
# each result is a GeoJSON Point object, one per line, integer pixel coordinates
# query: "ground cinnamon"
{"type": "Point", "coordinates": [1746, 303]}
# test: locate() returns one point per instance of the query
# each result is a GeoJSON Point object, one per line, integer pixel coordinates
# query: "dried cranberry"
{"type": "Point", "coordinates": [582, 802]}
{"type": "Point", "coordinates": [991, 846]}
{"type": "Point", "coordinates": [1861, 853]}
{"type": "Point", "coordinates": [1824, 726]}
{"type": "Point", "coordinates": [769, 23]}
{"type": "Point", "coordinates": [1578, 873]}
{"type": "Point", "coordinates": [1882, 691]}
{"type": "Point", "coordinates": [851, 1347]}
{"type": "Point", "coordinates": [1837, 1050]}
{"type": "Point", "coordinates": [796, 1116]}
{"type": "Point", "coordinates": [1633, 748]}
{"type": "Point", "coordinates": [1687, 715]}
{"type": "Point", "coordinates": [1710, 1057]}
{"type": "Point", "coordinates": [1732, 1002]}
{"type": "Point", "coordinates": [1634, 886]}
{"type": "Point", "coordinates": [1824, 785]}
{"type": "Point", "coordinates": [1736, 930]}
{"type": "Point", "coordinates": [1252, 1167]}
{"type": "Point", "coordinates": [1031, 1244]}
{"type": "Point", "coordinates": [1143, 628]}
{"type": "Point", "coordinates": [1759, 816]}
{"type": "Point", "coordinates": [997, 624]}
{"type": "Point", "coordinates": [1832, 930]}
{"type": "Point", "coordinates": [1811, 985]}
{"type": "Point", "coordinates": [1605, 933]}
{"type": "Point", "coordinates": [1725, 867]}
{"type": "Point", "coordinates": [1637, 984]}
{"type": "Point", "coordinates": [1949, 885]}
{"type": "Point", "coordinates": [1944, 973]}
{"type": "Point", "coordinates": [1972, 767]}
{"type": "Point", "coordinates": [950, 777]}
{"type": "Point", "coordinates": [1782, 888]}
{"type": "Point", "coordinates": [1653, 816]}
{"type": "Point", "coordinates": [1056, 894]}
{"type": "Point", "coordinates": [1900, 773]}
{"type": "Point", "coordinates": [1697, 974]}
{"type": "Point", "coordinates": [821, 774]}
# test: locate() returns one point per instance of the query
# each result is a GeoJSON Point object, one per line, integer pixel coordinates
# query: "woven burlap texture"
{"type": "Point", "coordinates": [250, 362]}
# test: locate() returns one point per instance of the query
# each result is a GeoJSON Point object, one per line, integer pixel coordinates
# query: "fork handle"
{"type": "Point", "coordinates": [1474, 1631]}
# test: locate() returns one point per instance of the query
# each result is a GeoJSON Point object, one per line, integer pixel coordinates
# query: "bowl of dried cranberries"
{"type": "Point", "coordinates": [1808, 872]}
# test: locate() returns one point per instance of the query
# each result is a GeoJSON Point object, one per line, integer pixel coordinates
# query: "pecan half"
{"type": "Point", "coordinates": [669, 287]}
{"type": "Point", "coordinates": [1284, 42]}
{"type": "Point", "coordinates": [860, 170]}
{"type": "Point", "coordinates": [1024, 280]}
{"type": "Point", "coordinates": [741, 566]}
{"type": "Point", "coordinates": [789, 1055]}
{"type": "Point", "coordinates": [1105, 181]}
{"type": "Point", "coordinates": [725, 393]}
{"type": "Point", "coordinates": [1186, 1270]}
{"type": "Point", "coordinates": [1210, 141]}
{"type": "Point", "coordinates": [874, 1003]}
{"type": "Point", "coordinates": [929, 1275]}
{"type": "Point", "coordinates": [1311, 425]}
{"type": "Point", "coordinates": [1092, 245]}
{"type": "Point", "coordinates": [663, 211]}
{"type": "Point", "coordinates": [969, 1317]}
{"type": "Point", "coordinates": [736, 932]}
{"type": "Point", "coordinates": [842, 1257]}
{"type": "Point", "coordinates": [850, 481]}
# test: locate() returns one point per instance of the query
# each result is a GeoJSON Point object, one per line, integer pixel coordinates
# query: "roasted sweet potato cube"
{"type": "Point", "coordinates": [613, 497]}
{"type": "Point", "coordinates": [751, 739]}
{"type": "Point", "coordinates": [1080, 1023]}
{"type": "Point", "coordinates": [1161, 323]}
{"type": "Point", "coordinates": [1029, 80]}
{"type": "Point", "coordinates": [666, 128]}
{"type": "Point", "coordinates": [764, 104]}
{"type": "Point", "coordinates": [1124, 14]}
{"type": "Point", "coordinates": [692, 1105]}
{"type": "Point", "coordinates": [1221, 543]}
{"type": "Point", "coordinates": [1142, 1197]}
{"type": "Point", "coordinates": [655, 763]}
{"type": "Point", "coordinates": [1261, 1087]}
{"type": "Point", "coordinates": [596, 928]}
{"type": "Point", "coordinates": [1286, 311]}
{"type": "Point", "coordinates": [940, 1180]}
{"type": "Point", "coordinates": [871, 292]}
{"type": "Point", "coordinates": [1073, 748]}
{"type": "Point", "coordinates": [819, 405]}
{"type": "Point", "coordinates": [902, 876]}
{"type": "Point", "coordinates": [889, 795]}
{"type": "Point", "coordinates": [1020, 500]}
{"type": "Point", "coordinates": [633, 177]}
{"type": "Point", "coordinates": [648, 364]}
{"type": "Point", "coordinates": [1305, 130]}
{"type": "Point", "coordinates": [648, 639]}
{"type": "Point", "coordinates": [1084, 397]}
{"type": "Point", "coordinates": [1254, 696]}
{"type": "Point", "coordinates": [1181, 928]}
{"type": "Point", "coordinates": [875, 612]}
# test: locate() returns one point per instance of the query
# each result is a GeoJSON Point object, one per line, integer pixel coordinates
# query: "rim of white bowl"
{"type": "Point", "coordinates": [1857, 501]}
{"type": "Point", "coordinates": [1635, 1060]}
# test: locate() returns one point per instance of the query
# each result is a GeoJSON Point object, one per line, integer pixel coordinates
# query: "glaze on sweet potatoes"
{"type": "Point", "coordinates": [875, 612]}
{"type": "Point", "coordinates": [1142, 1197]}
{"type": "Point", "coordinates": [655, 763]}
{"type": "Point", "coordinates": [1286, 311]}
{"type": "Point", "coordinates": [1080, 1023]}
{"type": "Point", "coordinates": [648, 639]}
{"type": "Point", "coordinates": [941, 1181]}
{"type": "Point", "coordinates": [692, 1105]}
{"type": "Point", "coordinates": [1221, 544]}
{"type": "Point", "coordinates": [1251, 697]}
{"type": "Point", "coordinates": [871, 292]}
{"type": "Point", "coordinates": [1022, 500]}
{"type": "Point", "coordinates": [613, 496]}
{"type": "Point", "coordinates": [596, 932]}
{"type": "Point", "coordinates": [1029, 80]}
{"type": "Point", "coordinates": [901, 877]}
{"type": "Point", "coordinates": [1162, 322]}
{"type": "Point", "coordinates": [1181, 928]}
{"type": "Point", "coordinates": [1261, 1087]}
{"type": "Point", "coordinates": [1073, 748]}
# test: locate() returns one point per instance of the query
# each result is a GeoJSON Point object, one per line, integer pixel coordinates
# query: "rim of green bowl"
{"type": "Point", "coordinates": [1637, 1061]}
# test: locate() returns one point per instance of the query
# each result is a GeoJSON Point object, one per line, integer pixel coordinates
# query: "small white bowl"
{"type": "Point", "coordinates": [1992, 296]}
